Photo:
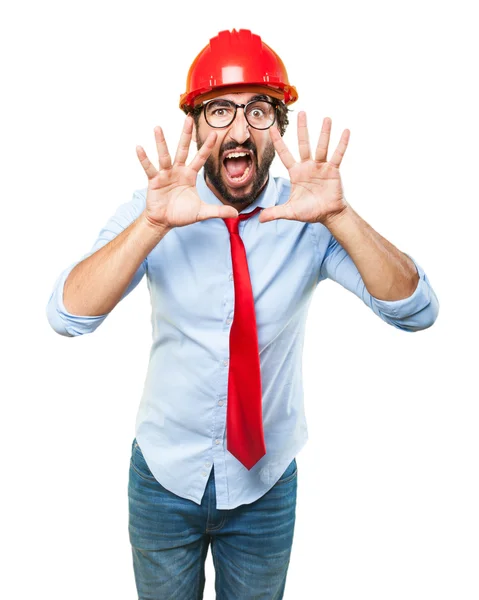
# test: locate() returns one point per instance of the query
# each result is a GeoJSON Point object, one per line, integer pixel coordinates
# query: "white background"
{"type": "Point", "coordinates": [388, 489]}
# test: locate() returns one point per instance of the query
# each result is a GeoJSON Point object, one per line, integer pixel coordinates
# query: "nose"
{"type": "Point", "coordinates": [239, 130]}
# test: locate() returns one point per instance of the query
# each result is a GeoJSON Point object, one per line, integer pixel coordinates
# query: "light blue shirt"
{"type": "Point", "coordinates": [181, 420]}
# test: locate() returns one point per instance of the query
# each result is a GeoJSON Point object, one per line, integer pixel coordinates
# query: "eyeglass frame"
{"type": "Point", "coordinates": [243, 106]}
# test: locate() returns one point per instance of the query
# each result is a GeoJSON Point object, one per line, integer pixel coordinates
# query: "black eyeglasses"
{"type": "Point", "coordinates": [259, 114]}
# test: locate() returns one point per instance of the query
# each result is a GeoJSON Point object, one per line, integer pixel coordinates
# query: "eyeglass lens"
{"type": "Point", "coordinates": [220, 113]}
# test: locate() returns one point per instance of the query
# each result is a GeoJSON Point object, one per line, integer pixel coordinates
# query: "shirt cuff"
{"type": "Point", "coordinates": [406, 307]}
{"type": "Point", "coordinates": [66, 322]}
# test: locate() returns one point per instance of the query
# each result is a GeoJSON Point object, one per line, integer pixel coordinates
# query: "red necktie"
{"type": "Point", "coordinates": [244, 417]}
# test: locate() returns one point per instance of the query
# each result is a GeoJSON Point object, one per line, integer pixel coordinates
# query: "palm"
{"type": "Point", "coordinates": [316, 187]}
{"type": "Point", "coordinates": [316, 191]}
{"type": "Point", "coordinates": [172, 199]}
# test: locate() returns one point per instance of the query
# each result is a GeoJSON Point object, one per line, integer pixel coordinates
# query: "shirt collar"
{"type": "Point", "coordinates": [268, 196]}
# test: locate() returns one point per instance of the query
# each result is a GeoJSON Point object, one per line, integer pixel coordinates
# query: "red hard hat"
{"type": "Point", "coordinates": [236, 60]}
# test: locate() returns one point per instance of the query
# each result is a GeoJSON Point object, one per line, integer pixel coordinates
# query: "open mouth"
{"type": "Point", "coordinates": [239, 168]}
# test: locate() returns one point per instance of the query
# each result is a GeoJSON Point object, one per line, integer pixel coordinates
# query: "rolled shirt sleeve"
{"type": "Point", "coordinates": [68, 324]}
{"type": "Point", "coordinates": [418, 311]}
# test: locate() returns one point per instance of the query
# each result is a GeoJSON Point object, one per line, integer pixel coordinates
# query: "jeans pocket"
{"type": "Point", "coordinates": [138, 463]}
{"type": "Point", "coordinates": [290, 473]}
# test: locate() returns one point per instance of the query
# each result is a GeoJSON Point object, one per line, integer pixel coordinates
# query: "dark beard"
{"type": "Point", "coordinates": [261, 172]}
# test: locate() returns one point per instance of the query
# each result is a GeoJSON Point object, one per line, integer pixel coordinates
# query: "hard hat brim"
{"type": "Point", "coordinates": [280, 94]}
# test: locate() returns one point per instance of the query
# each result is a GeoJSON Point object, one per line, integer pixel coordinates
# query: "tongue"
{"type": "Point", "coordinates": [236, 166]}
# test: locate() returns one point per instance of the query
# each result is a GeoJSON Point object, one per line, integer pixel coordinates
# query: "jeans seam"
{"type": "Point", "coordinates": [201, 567]}
{"type": "Point", "coordinates": [209, 529]}
{"type": "Point", "coordinates": [217, 565]}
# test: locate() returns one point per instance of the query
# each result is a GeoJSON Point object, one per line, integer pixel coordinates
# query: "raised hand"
{"type": "Point", "coordinates": [172, 199]}
{"type": "Point", "coordinates": [316, 189]}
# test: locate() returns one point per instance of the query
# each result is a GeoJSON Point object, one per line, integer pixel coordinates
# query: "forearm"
{"type": "Point", "coordinates": [388, 273]}
{"type": "Point", "coordinates": [96, 285]}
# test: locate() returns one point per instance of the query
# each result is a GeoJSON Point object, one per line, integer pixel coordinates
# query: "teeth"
{"type": "Point", "coordinates": [237, 154]}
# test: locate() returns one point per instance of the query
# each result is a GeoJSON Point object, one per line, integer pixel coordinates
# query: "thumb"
{"type": "Point", "coordinates": [272, 213]}
{"type": "Point", "coordinates": [210, 211]}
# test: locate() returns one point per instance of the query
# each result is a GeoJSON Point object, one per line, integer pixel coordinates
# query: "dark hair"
{"type": "Point", "coordinates": [280, 108]}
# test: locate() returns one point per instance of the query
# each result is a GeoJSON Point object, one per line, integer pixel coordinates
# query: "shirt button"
{"type": "Point", "coordinates": [207, 464]}
{"type": "Point", "coordinates": [225, 362]}
{"type": "Point", "coordinates": [220, 402]}
{"type": "Point", "coordinates": [217, 441]}
{"type": "Point", "coordinates": [204, 474]}
{"type": "Point", "coordinates": [231, 276]}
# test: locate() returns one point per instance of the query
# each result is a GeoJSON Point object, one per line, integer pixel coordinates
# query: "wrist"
{"type": "Point", "coordinates": [333, 219]}
{"type": "Point", "coordinates": [155, 227]}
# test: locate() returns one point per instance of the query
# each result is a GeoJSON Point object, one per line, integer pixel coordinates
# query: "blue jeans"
{"type": "Point", "coordinates": [169, 536]}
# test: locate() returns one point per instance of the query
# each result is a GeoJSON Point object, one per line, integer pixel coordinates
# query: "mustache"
{"type": "Point", "coordinates": [247, 145]}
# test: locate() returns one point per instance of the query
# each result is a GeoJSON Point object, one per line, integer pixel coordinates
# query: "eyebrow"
{"type": "Point", "coordinates": [260, 97]}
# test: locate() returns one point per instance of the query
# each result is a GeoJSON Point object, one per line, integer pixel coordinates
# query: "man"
{"type": "Point", "coordinates": [232, 257]}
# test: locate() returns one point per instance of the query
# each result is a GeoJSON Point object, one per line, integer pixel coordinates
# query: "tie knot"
{"type": "Point", "coordinates": [233, 223]}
